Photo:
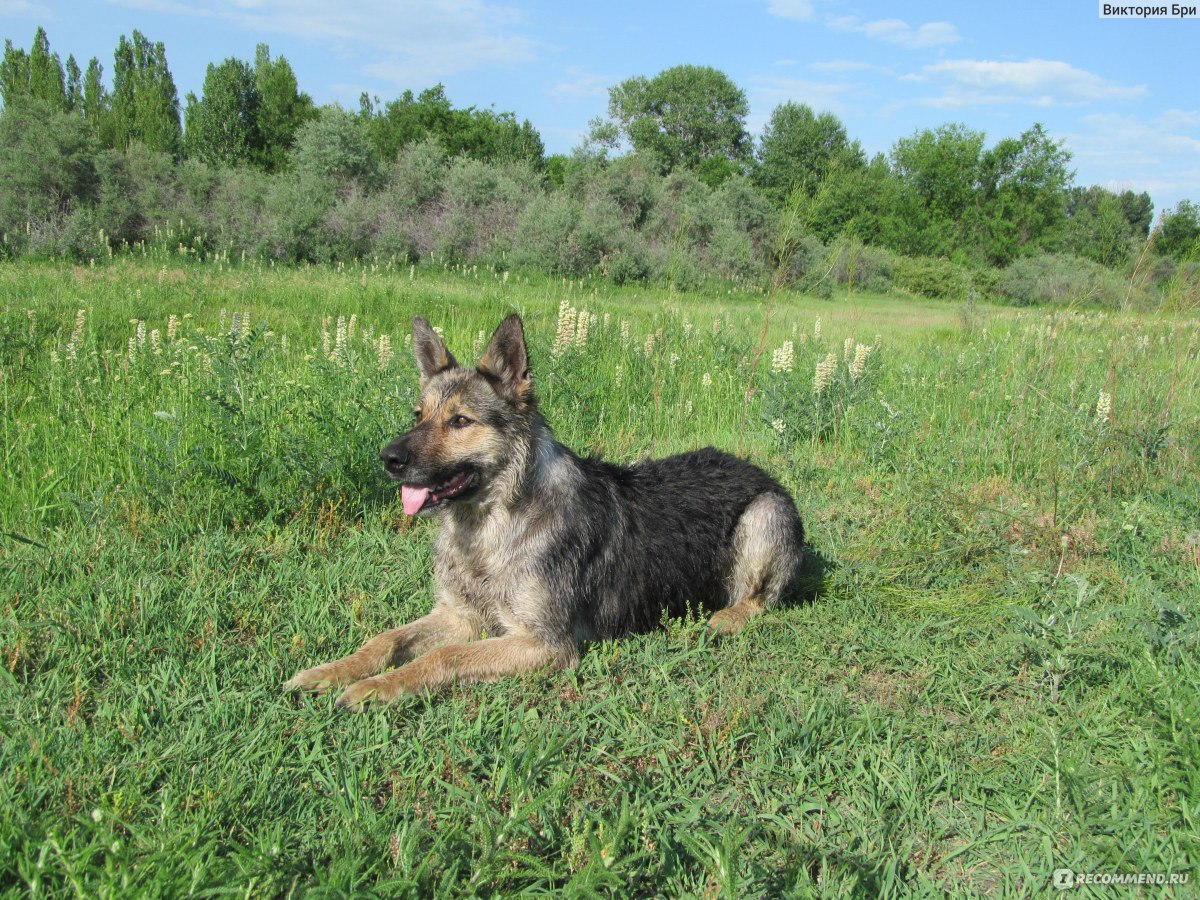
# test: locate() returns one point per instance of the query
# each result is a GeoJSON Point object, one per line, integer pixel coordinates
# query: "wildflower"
{"type": "Point", "coordinates": [583, 321]}
{"type": "Point", "coordinates": [687, 328]}
{"type": "Point", "coordinates": [674, 359]}
{"type": "Point", "coordinates": [1103, 408]}
{"type": "Point", "coordinates": [826, 369]}
{"type": "Point", "coordinates": [779, 425]}
{"type": "Point", "coordinates": [716, 327]}
{"type": "Point", "coordinates": [706, 380]}
{"type": "Point", "coordinates": [817, 329]}
{"type": "Point", "coordinates": [564, 334]}
{"type": "Point", "coordinates": [76, 335]}
{"type": "Point", "coordinates": [847, 348]}
{"type": "Point", "coordinates": [156, 342]}
{"type": "Point", "coordinates": [172, 326]}
{"type": "Point", "coordinates": [783, 357]}
{"type": "Point", "coordinates": [859, 364]}
{"type": "Point", "coordinates": [688, 409]}
{"type": "Point", "coordinates": [141, 333]}
{"type": "Point", "coordinates": [619, 374]}
{"type": "Point", "coordinates": [383, 347]}
{"type": "Point", "coordinates": [625, 332]}
{"type": "Point", "coordinates": [477, 345]}
{"type": "Point", "coordinates": [648, 347]}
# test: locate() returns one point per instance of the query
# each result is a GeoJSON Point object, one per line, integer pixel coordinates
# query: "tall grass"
{"type": "Point", "coordinates": [989, 672]}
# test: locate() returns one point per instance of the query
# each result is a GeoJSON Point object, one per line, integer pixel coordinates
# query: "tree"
{"type": "Point", "coordinates": [46, 80]}
{"type": "Point", "coordinates": [95, 102]}
{"type": "Point", "coordinates": [1179, 231]}
{"type": "Point", "coordinates": [1099, 226]}
{"type": "Point", "coordinates": [145, 103]}
{"type": "Point", "coordinates": [1021, 195]}
{"type": "Point", "coordinates": [683, 117]}
{"type": "Point", "coordinates": [46, 164]}
{"type": "Point", "coordinates": [37, 74]}
{"type": "Point", "coordinates": [799, 148]}
{"type": "Point", "coordinates": [334, 148]}
{"type": "Point", "coordinates": [938, 171]}
{"type": "Point", "coordinates": [222, 126]}
{"type": "Point", "coordinates": [480, 134]}
{"type": "Point", "coordinates": [282, 109]}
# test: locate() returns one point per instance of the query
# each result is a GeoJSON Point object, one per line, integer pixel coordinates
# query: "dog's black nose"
{"type": "Point", "coordinates": [394, 458]}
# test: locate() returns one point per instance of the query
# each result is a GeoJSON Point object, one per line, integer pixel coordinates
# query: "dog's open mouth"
{"type": "Point", "coordinates": [417, 497]}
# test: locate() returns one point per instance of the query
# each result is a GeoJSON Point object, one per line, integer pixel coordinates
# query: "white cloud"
{"type": "Point", "coordinates": [767, 92]}
{"type": "Point", "coordinates": [580, 85]}
{"type": "Point", "coordinates": [1040, 82]}
{"type": "Point", "coordinates": [897, 31]}
{"type": "Point", "coordinates": [24, 8]}
{"type": "Point", "coordinates": [412, 41]}
{"type": "Point", "coordinates": [799, 10]}
{"type": "Point", "coordinates": [848, 65]}
{"type": "Point", "coordinates": [1125, 152]}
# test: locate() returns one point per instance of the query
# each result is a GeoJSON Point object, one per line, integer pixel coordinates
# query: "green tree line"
{"type": "Point", "coordinates": [668, 183]}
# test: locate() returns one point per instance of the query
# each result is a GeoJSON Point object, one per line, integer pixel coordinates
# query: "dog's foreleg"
{"type": "Point", "coordinates": [485, 660]}
{"type": "Point", "coordinates": [442, 626]}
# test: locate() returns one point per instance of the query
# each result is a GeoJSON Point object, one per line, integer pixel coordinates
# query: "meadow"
{"type": "Point", "coordinates": [988, 671]}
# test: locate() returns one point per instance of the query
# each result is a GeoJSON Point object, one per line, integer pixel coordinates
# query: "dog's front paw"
{"type": "Point", "coordinates": [318, 678]}
{"type": "Point", "coordinates": [370, 690]}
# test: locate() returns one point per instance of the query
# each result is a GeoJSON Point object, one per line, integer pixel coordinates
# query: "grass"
{"type": "Point", "coordinates": [991, 674]}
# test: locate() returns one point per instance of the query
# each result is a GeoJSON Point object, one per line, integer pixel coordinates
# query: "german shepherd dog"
{"type": "Point", "coordinates": [541, 550]}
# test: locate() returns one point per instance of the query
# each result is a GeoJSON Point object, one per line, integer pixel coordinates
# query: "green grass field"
{"type": "Point", "coordinates": [992, 673]}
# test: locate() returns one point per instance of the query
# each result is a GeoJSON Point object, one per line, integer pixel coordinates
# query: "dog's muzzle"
{"type": "Point", "coordinates": [395, 457]}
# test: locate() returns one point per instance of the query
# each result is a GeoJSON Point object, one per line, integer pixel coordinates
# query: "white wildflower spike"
{"type": "Point", "coordinates": [583, 322]}
{"type": "Point", "coordinates": [383, 347]}
{"type": "Point", "coordinates": [825, 372]}
{"type": "Point", "coordinates": [779, 425]}
{"type": "Point", "coordinates": [817, 329]}
{"type": "Point", "coordinates": [706, 380]}
{"type": "Point", "coordinates": [648, 347]}
{"type": "Point", "coordinates": [76, 335]}
{"type": "Point", "coordinates": [564, 334]}
{"type": "Point", "coordinates": [625, 332]}
{"type": "Point", "coordinates": [783, 357]}
{"type": "Point", "coordinates": [858, 365]}
{"type": "Point", "coordinates": [847, 348]}
{"type": "Point", "coordinates": [477, 345]}
{"type": "Point", "coordinates": [172, 327]}
{"type": "Point", "coordinates": [1103, 407]}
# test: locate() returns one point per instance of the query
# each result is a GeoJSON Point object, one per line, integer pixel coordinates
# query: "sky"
{"type": "Point", "coordinates": [1120, 94]}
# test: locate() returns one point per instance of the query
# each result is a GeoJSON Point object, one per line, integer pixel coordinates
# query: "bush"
{"type": "Point", "coordinates": [936, 278]}
{"type": "Point", "coordinates": [1061, 280]}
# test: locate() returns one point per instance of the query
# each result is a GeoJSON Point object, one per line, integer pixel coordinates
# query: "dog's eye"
{"type": "Point", "coordinates": [460, 421]}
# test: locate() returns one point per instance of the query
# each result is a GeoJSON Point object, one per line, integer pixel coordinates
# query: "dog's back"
{"type": "Point", "coordinates": [662, 537]}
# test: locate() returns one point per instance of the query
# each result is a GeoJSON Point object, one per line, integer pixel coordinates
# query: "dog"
{"type": "Point", "coordinates": [541, 550]}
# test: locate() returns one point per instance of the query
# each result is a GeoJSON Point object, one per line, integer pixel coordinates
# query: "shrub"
{"type": "Point", "coordinates": [937, 278]}
{"type": "Point", "coordinates": [1058, 279]}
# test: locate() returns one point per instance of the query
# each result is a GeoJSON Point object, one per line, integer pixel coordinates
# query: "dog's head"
{"type": "Point", "coordinates": [471, 426]}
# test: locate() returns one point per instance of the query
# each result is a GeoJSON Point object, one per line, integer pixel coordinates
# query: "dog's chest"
{"type": "Point", "coordinates": [491, 566]}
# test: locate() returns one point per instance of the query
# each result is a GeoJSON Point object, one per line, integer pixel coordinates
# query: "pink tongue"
{"type": "Point", "coordinates": [413, 498]}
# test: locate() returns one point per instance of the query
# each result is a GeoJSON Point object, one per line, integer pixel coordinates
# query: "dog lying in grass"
{"type": "Point", "coordinates": [540, 550]}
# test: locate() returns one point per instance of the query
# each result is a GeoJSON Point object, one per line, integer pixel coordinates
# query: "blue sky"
{"type": "Point", "coordinates": [1120, 93]}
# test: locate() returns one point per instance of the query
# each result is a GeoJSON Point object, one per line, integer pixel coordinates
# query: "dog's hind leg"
{"type": "Point", "coordinates": [485, 660]}
{"type": "Point", "coordinates": [767, 550]}
{"type": "Point", "coordinates": [443, 625]}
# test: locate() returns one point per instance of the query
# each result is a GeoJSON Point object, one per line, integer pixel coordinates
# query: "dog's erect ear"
{"type": "Point", "coordinates": [429, 350]}
{"type": "Point", "coordinates": [508, 360]}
